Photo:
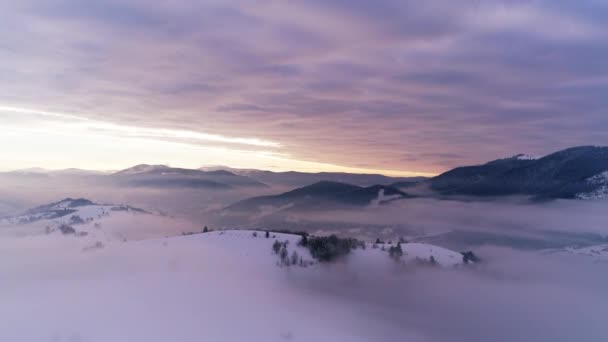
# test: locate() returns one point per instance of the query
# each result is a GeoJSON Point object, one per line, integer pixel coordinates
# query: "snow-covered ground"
{"type": "Point", "coordinates": [94, 222]}
{"type": "Point", "coordinates": [218, 286]}
{"type": "Point", "coordinates": [134, 277]}
{"type": "Point", "coordinates": [526, 157]}
{"type": "Point", "coordinates": [600, 182]}
{"type": "Point", "coordinates": [597, 252]}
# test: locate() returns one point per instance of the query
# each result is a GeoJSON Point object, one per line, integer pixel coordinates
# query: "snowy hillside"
{"type": "Point", "coordinates": [93, 221]}
{"type": "Point", "coordinates": [599, 183]}
{"type": "Point", "coordinates": [247, 244]}
{"type": "Point", "coordinates": [597, 252]}
{"type": "Point", "coordinates": [185, 288]}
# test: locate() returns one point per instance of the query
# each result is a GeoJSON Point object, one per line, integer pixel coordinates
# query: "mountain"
{"type": "Point", "coordinates": [161, 176]}
{"type": "Point", "coordinates": [68, 211]}
{"type": "Point", "coordinates": [300, 179]}
{"type": "Point", "coordinates": [93, 223]}
{"type": "Point", "coordinates": [578, 172]}
{"type": "Point", "coordinates": [321, 196]}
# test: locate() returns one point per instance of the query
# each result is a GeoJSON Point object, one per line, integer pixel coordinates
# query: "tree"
{"type": "Point", "coordinates": [470, 257]}
{"type": "Point", "coordinates": [328, 248]}
{"type": "Point", "coordinates": [378, 242]}
{"type": "Point", "coordinates": [276, 247]}
{"type": "Point", "coordinates": [255, 234]}
{"type": "Point", "coordinates": [294, 258]}
{"type": "Point", "coordinates": [283, 256]}
{"type": "Point", "coordinates": [396, 252]}
{"type": "Point", "coordinates": [303, 241]}
{"type": "Point", "coordinates": [433, 261]}
{"type": "Point", "coordinates": [205, 230]}
{"type": "Point", "coordinates": [267, 235]}
{"type": "Point", "coordinates": [66, 229]}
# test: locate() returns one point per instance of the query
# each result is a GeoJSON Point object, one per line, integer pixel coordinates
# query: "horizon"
{"type": "Point", "coordinates": [395, 174]}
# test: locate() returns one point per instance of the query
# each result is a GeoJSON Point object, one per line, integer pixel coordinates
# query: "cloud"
{"type": "Point", "coordinates": [331, 82]}
{"type": "Point", "coordinates": [512, 296]}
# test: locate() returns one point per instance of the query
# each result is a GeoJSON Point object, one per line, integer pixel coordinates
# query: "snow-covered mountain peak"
{"type": "Point", "coordinates": [525, 157]}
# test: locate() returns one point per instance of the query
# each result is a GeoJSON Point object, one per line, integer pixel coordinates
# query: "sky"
{"type": "Point", "coordinates": [392, 86]}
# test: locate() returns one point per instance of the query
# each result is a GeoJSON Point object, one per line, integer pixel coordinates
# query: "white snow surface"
{"type": "Point", "coordinates": [600, 181]}
{"type": "Point", "coordinates": [525, 157]}
{"type": "Point", "coordinates": [597, 252]}
{"type": "Point", "coordinates": [100, 222]}
{"type": "Point", "coordinates": [218, 286]}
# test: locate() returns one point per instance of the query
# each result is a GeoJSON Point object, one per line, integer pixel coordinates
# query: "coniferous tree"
{"type": "Point", "coordinates": [276, 247]}
{"type": "Point", "coordinates": [283, 255]}
{"type": "Point", "coordinates": [303, 241]}
{"type": "Point", "coordinates": [294, 258]}
{"type": "Point", "coordinates": [396, 252]}
{"type": "Point", "coordinates": [267, 234]}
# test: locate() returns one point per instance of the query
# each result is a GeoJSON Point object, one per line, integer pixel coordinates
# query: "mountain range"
{"type": "Point", "coordinates": [299, 179]}
{"type": "Point", "coordinates": [579, 172]}
{"type": "Point", "coordinates": [574, 173]}
{"type": "Point", "coordinates": [161, 176]}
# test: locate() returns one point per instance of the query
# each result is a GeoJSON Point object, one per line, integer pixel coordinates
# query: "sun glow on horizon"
{"type": "Point", "coordinates": [59, 141]}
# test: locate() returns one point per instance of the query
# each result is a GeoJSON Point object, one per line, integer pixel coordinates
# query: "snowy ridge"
{"type": "Point", "coordinates": [422, 251]}
{"type": "Point", "coordinates": [600, 182]}
{"type": "Point", "coordinates": [525, 157]}
{"type": "Point", "coordinates": [68, 211]}
{"type": "Point", "coordinates": [91, 222]}
{"type": "Point", "coordinates": [597, 252]}
{"type": "Point", "coordinates": [245, 242]}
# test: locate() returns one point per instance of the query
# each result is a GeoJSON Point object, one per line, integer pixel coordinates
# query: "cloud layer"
{"type": "Point", "coordinates": [384, 85]}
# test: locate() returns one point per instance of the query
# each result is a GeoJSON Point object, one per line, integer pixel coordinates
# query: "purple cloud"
{"type": "Point", "coordinates": [391, 84]}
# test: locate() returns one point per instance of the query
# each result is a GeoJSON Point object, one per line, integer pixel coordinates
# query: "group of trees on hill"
{"type": "Point", "coordinates": [285, 259]}
{"type": "Point", "coordinates": [329, 248]}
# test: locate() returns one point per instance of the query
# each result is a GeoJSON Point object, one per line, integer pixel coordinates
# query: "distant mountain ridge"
{"type": "Point", "coordinates": [165, 176]}
{"type": "Point", "coordinates": [321, 196]}
{"type": "Point", "coordinates": [570, 173]}
{"type": "Point", "coordinates": [300, 179]}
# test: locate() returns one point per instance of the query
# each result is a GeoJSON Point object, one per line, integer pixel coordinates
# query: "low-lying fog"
{"type": "Point", "coordinates": [181, 290]}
